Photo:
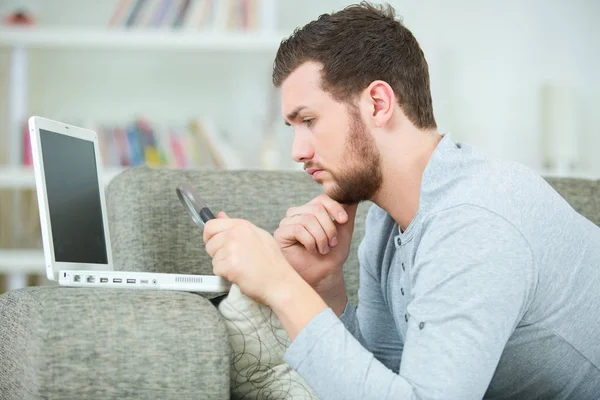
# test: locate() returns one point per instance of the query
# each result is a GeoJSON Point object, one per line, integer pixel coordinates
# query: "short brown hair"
{"type": "Point", "coordinates": [356, 46]}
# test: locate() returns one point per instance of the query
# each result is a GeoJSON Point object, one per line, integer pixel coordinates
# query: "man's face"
{"type": "Point", "coordinates": [330, 138]}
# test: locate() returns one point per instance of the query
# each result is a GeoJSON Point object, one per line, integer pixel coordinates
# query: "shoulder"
{"type": "Point", "coordinates": [470, 254]}
{"type": "Point", "coordinates": [470, 240]}
{"type": "Point", "coordinates": [500, 188]}
{"type": "Point", "coordinates": [469, 224]}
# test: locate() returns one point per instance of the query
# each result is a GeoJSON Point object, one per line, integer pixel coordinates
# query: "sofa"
{"type": "Point", "coordinates": [72, 343]}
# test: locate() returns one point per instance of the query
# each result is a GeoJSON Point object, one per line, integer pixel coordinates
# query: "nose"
{"type": "Point", "coordinates": [302, 149]}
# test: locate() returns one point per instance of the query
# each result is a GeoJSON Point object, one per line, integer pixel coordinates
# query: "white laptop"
{"type": "Point", "coordinates": [74, 224]}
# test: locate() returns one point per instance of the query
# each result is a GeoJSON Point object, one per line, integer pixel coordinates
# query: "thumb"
{"type": "Point", "coordinates": [346, 229]}
{"type": "Point", "coordinates": [222, 215]}
{"type": "Point", "coordinates": [351, 211]}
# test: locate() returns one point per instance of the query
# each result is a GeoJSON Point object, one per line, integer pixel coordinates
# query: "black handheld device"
{"type": "Point", "coordinates": [196, 208]}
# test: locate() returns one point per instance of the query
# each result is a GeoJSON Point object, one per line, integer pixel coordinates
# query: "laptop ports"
{"type": "Point", "coordinates": [117, 280]}
{"type": "Point", "coordinates": [130, 280]}
{"type": "Point", "coordinates": [103, 280]}
{"type": "Point", "coordinates": [76, 278]}
{"type": "Point", "coordinates": [91, 279]}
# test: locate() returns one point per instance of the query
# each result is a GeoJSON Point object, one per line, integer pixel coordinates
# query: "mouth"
{"type": "Point", "coordinates": [314, 172]}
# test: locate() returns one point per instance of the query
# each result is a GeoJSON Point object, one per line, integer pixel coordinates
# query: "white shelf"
{"type": "Point", "coordinates": [16, 178]}
{"type": "Point", "coordinates": [139, 39]}
{"type": "Point", "coordinates": [21, 261]}
{"type": "Point", "coordinates": [22, 177]}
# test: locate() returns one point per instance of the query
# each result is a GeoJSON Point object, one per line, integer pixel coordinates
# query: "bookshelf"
{"type": "Point", "coordinates": [25, 45]}
{"type": "Point", "coordinates": [159, 40]}
{"type": "Point", "coordinates": [28, 261]}
{"type": "Point", "coordinates": [17, 177]}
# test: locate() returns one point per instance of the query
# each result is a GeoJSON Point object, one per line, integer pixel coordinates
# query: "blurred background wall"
{"type": "Point", "coordinates": [518, 79]}
{"type": "Point", "coordinates": [488, 60]}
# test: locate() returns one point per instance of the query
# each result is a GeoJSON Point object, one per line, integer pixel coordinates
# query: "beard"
{"type": "Point", "coordinates": [361, 177]}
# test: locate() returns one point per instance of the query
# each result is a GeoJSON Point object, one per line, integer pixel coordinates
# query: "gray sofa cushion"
{"type": "Point", "coordinates": [69, 343]}
{"type": "Point", "coordinates": [582, 194]}
{"type": "Point", "coordinates": [151, 231]}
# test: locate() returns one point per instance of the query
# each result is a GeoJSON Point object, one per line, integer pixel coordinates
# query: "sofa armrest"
{"type": "Point", "coordinates": [72, 343]}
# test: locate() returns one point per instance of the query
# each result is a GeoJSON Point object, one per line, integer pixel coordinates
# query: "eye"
{"type": "Point", "coordinates": [309, 122]}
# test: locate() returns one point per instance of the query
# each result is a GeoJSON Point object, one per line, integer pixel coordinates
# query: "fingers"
{"type": "Point", "coordinates": [297, 233]}
{"type": "Point", "coordinates": [315, 218]}
{"type": "Point", "coordinates": [335, 209]}
{"type": "Point", "coordinates": [351, 211]}
{"type": "Point", "coordinates": [325, 224]}
{"type": "Point", "coordinates": [220, 224]}
{"type": "Point", "coordinates": [332, 207]}
{"type": "Point", "coordinates": [222, 214]}
{"type": "Point", "coordinates": [215, 243]}
{"type": "Point", "coordinates": [318, 224]}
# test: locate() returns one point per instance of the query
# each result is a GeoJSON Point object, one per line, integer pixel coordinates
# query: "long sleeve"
{"type": "Point", "coordinates": [472, 277]}
{"type": "Point", "coordinates": [372, 323]}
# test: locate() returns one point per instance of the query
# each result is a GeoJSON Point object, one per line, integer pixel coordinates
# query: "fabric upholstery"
{"type": "Point", "coordinates": [582, 194]}
{"type": "Point", "coordinates": [103, 344]}
{"type": "Point", "coordinates": [258, 343]}
{"type": "Point", "coordinates": [151, 231]}
{"type": "Point", "coordinates": [71, 343]}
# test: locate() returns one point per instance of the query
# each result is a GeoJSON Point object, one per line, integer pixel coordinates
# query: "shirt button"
{"type": "Point", "coordinates": [403, 267]}
{"type": "Point", "coordinates": [402, 291]}
{"type": "Point", "coordinates": [406, 317]}
{"type": "Point", "coordinates": [422, 325]}
{"type": "Point", "coordinates": [398, 241]}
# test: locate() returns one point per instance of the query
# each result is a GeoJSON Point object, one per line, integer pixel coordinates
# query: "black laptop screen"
{"type": "Point", "coordinates": [73, 199]}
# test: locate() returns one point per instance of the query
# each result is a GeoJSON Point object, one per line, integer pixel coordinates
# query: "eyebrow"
{"type": "Point", "coordinates": [294, 114]}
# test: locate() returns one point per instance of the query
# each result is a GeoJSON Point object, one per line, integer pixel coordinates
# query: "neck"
{"type": "Point", "coordinates": [404, 157]}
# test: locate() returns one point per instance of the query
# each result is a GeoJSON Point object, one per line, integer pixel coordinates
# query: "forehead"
{"type": "Point", "coordinates": [303, 87]}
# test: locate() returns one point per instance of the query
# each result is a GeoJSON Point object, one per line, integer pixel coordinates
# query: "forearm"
{"type": "Point", "coordinates": [318, 335]}
{"type": "Point", "coordinates": [337, 366]}
{"type": "Point", "coordinates": [296, 303]}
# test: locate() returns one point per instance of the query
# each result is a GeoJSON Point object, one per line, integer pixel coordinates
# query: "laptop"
{"type": "Point", "coordinates": [73, 217]}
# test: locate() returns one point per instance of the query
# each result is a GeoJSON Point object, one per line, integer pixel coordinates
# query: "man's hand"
{"type": "Point", "coordinates": [315, 239]}
{"type": "Point", "coordinates": [248, 256]}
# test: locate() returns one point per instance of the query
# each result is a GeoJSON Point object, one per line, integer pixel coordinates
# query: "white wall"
{"type": "Point", "coordinates": [488, 60]}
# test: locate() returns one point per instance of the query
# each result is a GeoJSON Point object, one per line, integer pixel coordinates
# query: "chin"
{"type": "Point", "coordinates": [328, 187]}
{"type": "Point", "coordinates": [331, 190]}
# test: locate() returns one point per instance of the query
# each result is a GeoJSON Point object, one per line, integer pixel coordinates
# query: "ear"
{"type": "Point", "coordinates": [380, 97]}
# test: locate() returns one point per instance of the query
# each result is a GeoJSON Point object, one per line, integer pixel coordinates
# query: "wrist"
{"type": "Point", "coordinates": [295, 303]}
{"type": "Point", "coordinates": [337, 303]}
{"type": "Point", "coordinates": [333, 292]}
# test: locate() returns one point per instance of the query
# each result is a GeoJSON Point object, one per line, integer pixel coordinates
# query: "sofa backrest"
{"type": "Point", "coordinates": [151, 231]}
{"type": "Point", "coordinates": [582, 194]}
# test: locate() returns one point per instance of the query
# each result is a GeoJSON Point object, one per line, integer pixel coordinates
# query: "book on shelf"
{"type": "Point", "coordinates": [217, 15]}
{"type": "Point", "coordinates": [197, 143]}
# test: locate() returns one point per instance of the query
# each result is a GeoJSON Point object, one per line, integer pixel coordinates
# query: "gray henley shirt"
{"type": "Point", "coordinates": [492, 291]}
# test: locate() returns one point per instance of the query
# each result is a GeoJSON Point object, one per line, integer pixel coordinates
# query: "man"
{"type": "Point", "coordinates": [476, 278]}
